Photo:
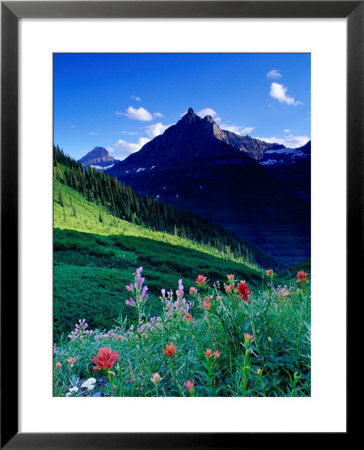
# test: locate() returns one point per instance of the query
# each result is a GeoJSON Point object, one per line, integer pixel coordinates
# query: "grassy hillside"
{"type": "Point", "coordinates": [96, 254]}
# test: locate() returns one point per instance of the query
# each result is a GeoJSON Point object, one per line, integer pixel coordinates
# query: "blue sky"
{"type": "Point", "coordinates": [120, 101]}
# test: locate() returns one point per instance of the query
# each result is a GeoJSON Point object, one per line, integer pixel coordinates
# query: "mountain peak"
{"type": "Point", "coordinates": [98, 158]}
{"type": "Point", "coordinates": [190, 111]}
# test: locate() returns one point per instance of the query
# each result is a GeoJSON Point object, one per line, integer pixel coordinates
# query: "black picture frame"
{"type": "Point", "coordinates": [11, 12]}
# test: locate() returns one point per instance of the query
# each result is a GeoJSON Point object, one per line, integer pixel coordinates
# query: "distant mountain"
{"type": "Point", "coordinates": [221, 176]}
{"type": "Point", "coordinates": [99, 158]}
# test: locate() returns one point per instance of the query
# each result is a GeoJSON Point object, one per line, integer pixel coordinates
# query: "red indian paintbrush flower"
{"type": "Point", "coordinates": [188, 317]}
{"type": "Point", "coordinates": [302, 277]}
{"type": "Point", "coordinates": [105, 359]}
{"type": "Point", "coordinates": [244, 291]}
{"type": "Point", "coordinates": [207, 303]}
{"type": "Point", "coordinates": [269, 272]}
{"type": "Point", "coordinates": [170, 350]}
{"type": "Point", "coordinates": [71, 361]}
{"type": "Point", "coordinates": [190, 386]}
{"type": "Point", "coordinates": [201, 280]}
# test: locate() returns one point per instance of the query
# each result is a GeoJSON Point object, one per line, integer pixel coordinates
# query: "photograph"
{"type": "Point", "coordinates": [181, 225]}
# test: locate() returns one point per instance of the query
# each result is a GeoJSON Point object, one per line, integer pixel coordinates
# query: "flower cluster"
{"type": "Point", "coordinates": [302, 277]}
{"type": "Point", "coordinates": [80, 330]}
{"type": "Point", "coordinates": [179, 306]}
{"type": "Point", "coordinates": [170, 350]}
{"type": "Point", "coordinates": [244, 291]}
{"type": "Point", "coordinates": [140, 291]}
{"type": "Point", "coordinates": [105, 359]}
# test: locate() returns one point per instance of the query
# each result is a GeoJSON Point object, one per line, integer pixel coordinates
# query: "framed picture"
{"type": "Point", "coordinates": [183, 164]}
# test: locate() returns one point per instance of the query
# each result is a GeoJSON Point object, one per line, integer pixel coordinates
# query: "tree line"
{"type": "Point", "coordinates": [123, 202]}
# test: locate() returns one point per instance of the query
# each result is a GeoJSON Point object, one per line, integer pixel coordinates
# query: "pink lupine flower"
{"type": "Point", "coordinates": [130, 302]}
{"type": "Point", "coordinates": [129, 287]}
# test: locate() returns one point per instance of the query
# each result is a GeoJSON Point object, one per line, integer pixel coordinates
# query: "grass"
{"type": "Point", "coordinates": [235, 344]}
{"type": "Point", "coordinates": [94, 260]}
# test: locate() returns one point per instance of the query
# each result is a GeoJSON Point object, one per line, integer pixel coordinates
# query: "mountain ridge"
{"type": "Point", "coordinates": [193, 167]}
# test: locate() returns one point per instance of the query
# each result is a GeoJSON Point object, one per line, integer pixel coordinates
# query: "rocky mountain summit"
{"type": "Point", "coordinates": [98, 158]}
{"type": "Point", "coordinates": [258, 190]}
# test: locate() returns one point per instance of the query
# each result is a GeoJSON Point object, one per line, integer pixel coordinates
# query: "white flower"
{"type": "Point", "coordinates": [89, 384]}
{"type": "Point", "coordinates": [73, 389]}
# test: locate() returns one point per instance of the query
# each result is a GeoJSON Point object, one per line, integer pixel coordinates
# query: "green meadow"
{"type": "Point", "coordinates": [95, 255]}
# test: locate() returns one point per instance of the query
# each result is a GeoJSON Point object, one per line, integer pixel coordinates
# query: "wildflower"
{"type": "Point", "coordinates": [156, 378]}
{"type": "Point", "coordinates": [190, 386]}
{"type": "Point", "coordinates": [193, 290]}
{"type": "Point", "coordinates": [208, 353]}
{"type": "Point", "coordinates": [129, 287]}
{"type": "Point", "coordinates": [89, 384]}
{"type": "Point", "coordinates": [170, 350]}
{"type": "Point", "coordinates": [219, 298]}
{"type": "Point", "coordinates": [119, 338]}
{"type": "Point", "coordinates": [248, 338]}
{"type": "Point", "coordinates": [73, 389]}
{"type": "Point", "coordinates": [269, 273]}
{"type": "Point", "coordinates": [244, 291]}
{"type": "Point", "coordinates": [139, 270]}
{"type": "Point", "coordinates": [105, 359]}
{"type": "Point", "coordinates": [207, 303]}
{"type": "Point", "coordinates": [283, 292]}
{"type": "Point", "coordinates": [201, 280]}
{"type": "Point", "coordinates": [163, 291]}
{"type": "Point", "coordinates": [58, 365]}
{"type": "Point", "coordinates": [229, 287]}
{"type": "Point", "coordinates": [259, 372]}
{"type": "Point", "coordinates": [302, 277]}
{"type": "Point", "coordinates": [130, 302]}
{"type": "Point", "coordinates": [71, 361]}
{"type": "Point", "coordinates": [230, 277]}
{"type": "Point", "coordinates": [216, 354]}
{"type": "Point", "coordinates": [188, 318]}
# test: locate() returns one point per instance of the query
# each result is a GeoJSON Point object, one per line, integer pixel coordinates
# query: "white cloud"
{"type": "Point", "coordinates": [207, 112]}
{"type": "Point", "coordinates": [157, 114]}
{"type": "Point", "coordinates": [247, 130]}
{"type": "Point", "coordinates": [286, 130]}
{"type": "Point", "coordinates": [156, 129]}
{"type": "Point", "coordinates": [136, 114]}
{"type": "Point", "coordinates": [274, 74]}
{"type": "Point", "coordinates": [236, 128]}
{"type": "Point", "coordinates": [289, 141]}
{"type": "Point", "coordinates": [130, 147]}
{"type": "Point", "coordinates": [110, 149]}
{"type": "Point", "coordinates": [135, 97]}
{"type": "Point", "coordinates": [278, 91]}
